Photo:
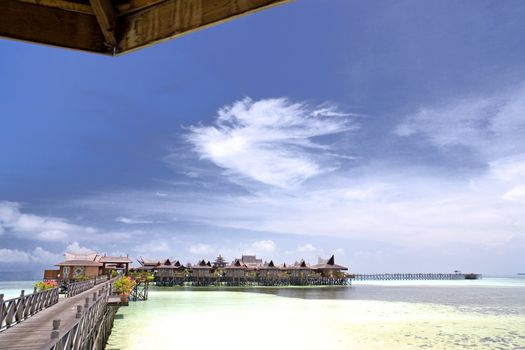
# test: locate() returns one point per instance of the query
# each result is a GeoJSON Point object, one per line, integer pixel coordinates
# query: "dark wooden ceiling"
{"type": "Point", "coordinates": [115, 27]}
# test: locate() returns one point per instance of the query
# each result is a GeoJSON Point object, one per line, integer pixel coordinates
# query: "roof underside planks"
{"type": "Point", "coordinates": [114, 27]}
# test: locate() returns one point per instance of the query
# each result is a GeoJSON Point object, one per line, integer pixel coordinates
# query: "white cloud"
{"type": "Point", "coordinates": [264, 246]}
{"type": "Point", "coordinates": [270, 141]}
{"type": "Point", "coordinates": [515, 194]}
{"type": "Point", "coordinates": [201, 249]}
{"type": "Point", "coordinates": [13, 255]}
{"type": "Point", "coordinates": [38, 255]}
{"type": "Point", "coordinates": [307, 248]}
{"type": "Point", "coordinates": [76, 248]}
{"type": "Point", "coordinates": [30, 226]}
{"type": "Point", "coordinates": [132, 221]}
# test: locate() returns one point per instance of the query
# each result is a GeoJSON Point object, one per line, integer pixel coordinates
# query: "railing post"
{"type": "Point", "coordinates": [1, 310]}
{"type": "Point", "coordinates": [86, 304]}
{"type": "Point", "coordinates": [94, 296]}
{"type": "Point", "coordinates": [79, 311]}
{"type": "Point", "coordinates": [54, 332]}
{"type": "Point", "coordinates": [21, 306]}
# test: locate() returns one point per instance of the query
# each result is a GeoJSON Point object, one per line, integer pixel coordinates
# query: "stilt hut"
{"type": "Point", "coordinates": [330, 272]}
{"type": "Point", "coordinates": [147, 264]}
{"type": "Point", "coordinates": [268, 274]}
{"type": "Point", "coordinates": [165, 273]}
{"type": "Point", "coordinates": [79, 269]}
{"type": "Point", "coordinates": [235, 273]}
{"type": "Point", "coordinates": [299, 273]}
{"type": "Point", "coordinates": [201, 273]}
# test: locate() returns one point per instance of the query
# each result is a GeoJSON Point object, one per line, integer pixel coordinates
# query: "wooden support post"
{"type": "Point", "coordinates": [106, 20]}
{"type": "Point", "coordinates": [54, 332]}
{"type": "Point", "coordinates": [1, 309]}
{"type": "Point", "coordinates": [79, 311]}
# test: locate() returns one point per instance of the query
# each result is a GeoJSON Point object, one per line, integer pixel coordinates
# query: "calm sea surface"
{"type": "Point", "coordinates": [486, 314]}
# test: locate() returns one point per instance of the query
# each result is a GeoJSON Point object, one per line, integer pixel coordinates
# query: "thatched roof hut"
{"type": "Point", "coordinates": [329, 265]}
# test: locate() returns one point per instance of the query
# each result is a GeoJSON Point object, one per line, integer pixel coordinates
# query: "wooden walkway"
{"type": "Point", "coordinates": [413, 276]}
{"type": "Point", "coordinates": [35, 332]}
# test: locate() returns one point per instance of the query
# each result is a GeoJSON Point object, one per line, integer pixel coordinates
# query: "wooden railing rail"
{"type": "Point", "coordinates": [16, 310]}
{"type": "Point", "coordinates": [101, 279]}
{"type": "Point", "coordinates": [91, 326]}
{"type": "Point", "coordinates": [79, 287]}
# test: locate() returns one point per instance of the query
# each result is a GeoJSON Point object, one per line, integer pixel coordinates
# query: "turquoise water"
{"type": "Point", "coordinates": [12, 289]}
{"type": "Point", "coordinates": [486, 314]}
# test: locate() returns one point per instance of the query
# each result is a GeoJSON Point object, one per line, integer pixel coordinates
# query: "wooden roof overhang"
{"type": "Point", "coordinates": [237, 265]}
{"type": "Point", "coordinates": [270, 266]}
{"type": "Point", "coordinates": [115, 259]}
{"type": "Point", "coordinates": [79, 263]}
{"type": "Point", "coordinates": [114, 27]}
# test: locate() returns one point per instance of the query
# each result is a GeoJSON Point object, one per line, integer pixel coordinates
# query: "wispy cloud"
{"type": "Point", "coordinates": [35, 227]}
{"type": "Point", "coordinates": [492, 125]}
{"type": "Point", "coordinates": [201, 249]}
{"type": "Point", "coordinates": [132, 221]}
{"type": "Point", "coordinates": [265, 246]}
{"type": "Point", "coordinates": [270, 141]}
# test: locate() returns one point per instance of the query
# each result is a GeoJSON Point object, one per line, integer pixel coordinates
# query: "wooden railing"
{"type": "Point", "coordinates": [14, 311]}
{"type": "Point", "coordinates": [101, 279]}
{"type": "Point", "coordinates": [79, 287]}
{"type": "Point", "coordinates": [91, 326]}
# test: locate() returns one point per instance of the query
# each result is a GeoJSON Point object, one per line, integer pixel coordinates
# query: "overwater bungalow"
{"type": "Point", "coordinates": [269, 274]}
{"type": "Point", "coordinates": [76, 269]}
{"type": "Point", "coordinates": [299, 273]}
{"type": "Point", "coordinates": [235, 273]}
{"type": "Point", "coordinates": [201, 274]}
{"type": "Point", "coordinates": [169, 274]}
{"type": "Point", "coordinates": [146, 264]}
{"type": "Point", "coordinates": [251, 261]}
{"type": "Point", "coordinates": [75, 266]}
{"type": "Point", "coordinates": [329, 272]}
{"type": "Point", "coordinates": [328, 268]}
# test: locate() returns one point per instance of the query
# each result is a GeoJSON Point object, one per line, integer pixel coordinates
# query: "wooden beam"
{"type": "Point", "coordinates": [106, 19]}
{"type": "Point", "coordinates": [173, 18]}
{"type": "Point", "coordinates": [64, 5]}
{"type": "Point", "coordinates": [52, 26]}
{"type": "Point", "coordinates": [135, 6]}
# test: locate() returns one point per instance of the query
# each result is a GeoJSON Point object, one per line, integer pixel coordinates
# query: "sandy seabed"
{"type": "Point", "coordinates": [185, 320]}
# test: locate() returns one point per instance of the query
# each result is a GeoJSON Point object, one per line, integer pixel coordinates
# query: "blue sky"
{"type": "Point", "coordinates": [389, 133]}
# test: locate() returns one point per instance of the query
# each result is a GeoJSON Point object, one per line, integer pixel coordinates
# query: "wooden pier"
{"type": "Point", "coordinates": [413, 276]}
{"type": "Point", "coordinates": [81, 320]}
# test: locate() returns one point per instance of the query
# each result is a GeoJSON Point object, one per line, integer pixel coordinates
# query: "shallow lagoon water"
{"type": "Point", "coordinates": [484, 314]}
{"type": "Point", "coordinates": [473, 315]}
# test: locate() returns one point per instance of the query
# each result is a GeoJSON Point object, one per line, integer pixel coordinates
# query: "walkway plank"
{"type": "Point", "coordinates": [35, 332]}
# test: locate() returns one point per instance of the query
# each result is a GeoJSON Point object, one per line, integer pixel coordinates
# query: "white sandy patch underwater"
{"type": "Point", "coordinates": [183, 319]}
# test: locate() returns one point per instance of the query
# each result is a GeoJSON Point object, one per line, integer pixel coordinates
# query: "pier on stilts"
{"type": "Point", "coordinates": [413, 276]}
{"type": "Point", "coordinates": [81, 320]}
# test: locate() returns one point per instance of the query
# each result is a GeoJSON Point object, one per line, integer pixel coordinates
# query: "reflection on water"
{"type": "Point", "coordinates": [359, 317]}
